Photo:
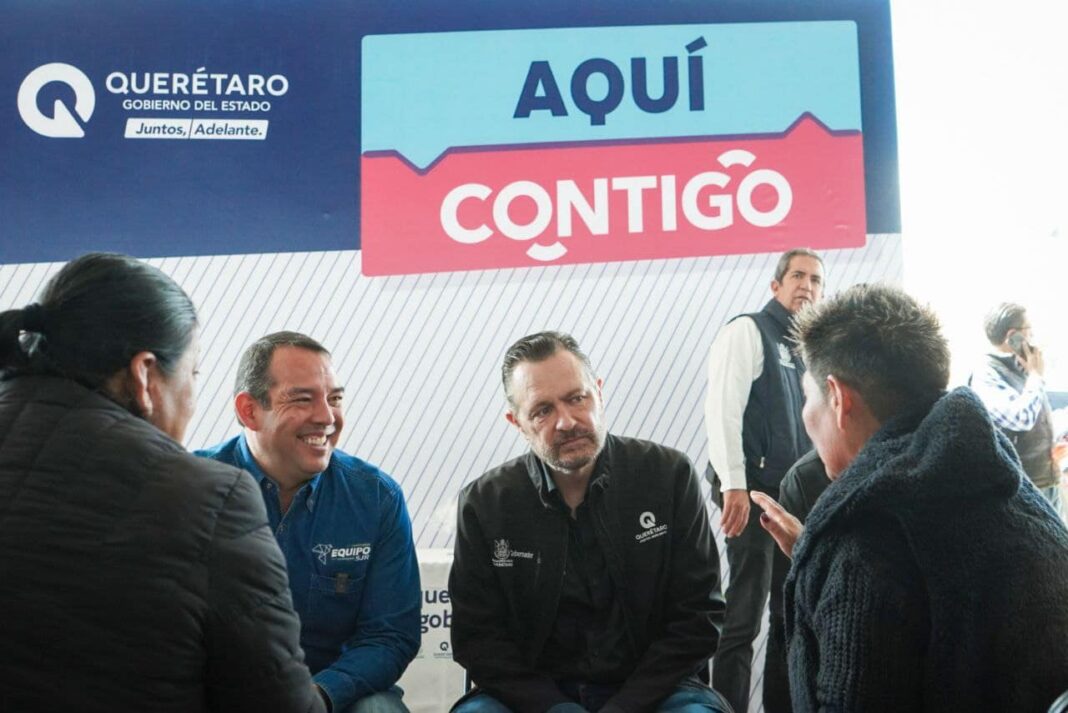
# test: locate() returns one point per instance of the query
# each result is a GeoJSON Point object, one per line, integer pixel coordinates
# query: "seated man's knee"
{"type": "Point", "coordinates": [480, 703]}
{"type": "Point", "coordinates": [384, 702]}
{"type": "Point", "coordinates": [695, 699]}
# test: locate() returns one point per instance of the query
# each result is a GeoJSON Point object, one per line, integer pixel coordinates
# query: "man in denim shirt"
{"type": "Point", "coordinates": [341, 523]}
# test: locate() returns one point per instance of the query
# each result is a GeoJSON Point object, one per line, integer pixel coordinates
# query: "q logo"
{"type": "Point", "coordinates": [647, 520]}
{"type": "Point", "coordinates": [62, 124]}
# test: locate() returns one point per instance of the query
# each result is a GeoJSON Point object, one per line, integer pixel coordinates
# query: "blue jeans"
{"type": "Point", "coordinates": [384, 702]}
{"type": "Point", "coordinates": [687, 698]}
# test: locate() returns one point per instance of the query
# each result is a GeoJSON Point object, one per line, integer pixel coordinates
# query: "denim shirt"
{"type": "Point", "coordinates": [347, 540]}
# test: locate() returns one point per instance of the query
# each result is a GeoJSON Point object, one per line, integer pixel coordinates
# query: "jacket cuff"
{"type": "Point", "coordinates": [337, 687]}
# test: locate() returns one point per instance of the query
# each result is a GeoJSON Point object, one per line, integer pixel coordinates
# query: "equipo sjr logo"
{"type": "Point", "coordinates": [62, 124]}
{"type": "Point", "coordinates": [353, 553]}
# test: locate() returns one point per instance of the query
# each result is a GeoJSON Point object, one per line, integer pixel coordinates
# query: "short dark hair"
{"type": "Point", "coordinates": [539, 347]}
{"type": "Point", "coordinates": [784, 261]}
{"type": "Point", "coordinates": [93, 317]}
{"type": "Point", "coordinates": [881, 342]}
{"type": "Point", "coordinates": [1006, 316]}
{"type": "Point", "coordinates": [254, 369]}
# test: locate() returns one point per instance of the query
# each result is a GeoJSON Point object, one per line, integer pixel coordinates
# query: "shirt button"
{"type": "Point", "coordinates": [281, 528]}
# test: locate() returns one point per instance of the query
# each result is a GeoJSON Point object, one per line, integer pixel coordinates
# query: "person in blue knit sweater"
{"type": "Point", "coordinates": [931, 575]}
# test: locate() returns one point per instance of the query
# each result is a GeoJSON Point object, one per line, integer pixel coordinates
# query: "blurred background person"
{"type": "Point", "coordinates": [1011, 384]}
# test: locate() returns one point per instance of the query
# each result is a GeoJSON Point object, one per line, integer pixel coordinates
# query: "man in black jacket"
{"type": "Point", "coordinates": [586, 577]}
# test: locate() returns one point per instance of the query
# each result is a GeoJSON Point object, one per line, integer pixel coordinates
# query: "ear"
{"type": "Point", "coordinates": [775, 285]}
{"type": "Point", "coordinates": [842, 399]}
{"type": "Point", "coordinates": [510, 417]}
{"type": "Point", "coordinates": [142, 372]}
{"type": "Point", "coordinates": [248, 410]}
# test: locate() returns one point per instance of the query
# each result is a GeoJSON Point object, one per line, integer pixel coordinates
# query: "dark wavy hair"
{"type": "Point", "coordinates": [94, 315]}
{"type": "Point", "coordinates": [880, 341]}
{"type": "Point", "coordinates": [539, 347]}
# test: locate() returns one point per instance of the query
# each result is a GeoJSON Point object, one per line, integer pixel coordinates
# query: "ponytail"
{"type": "Point", "coordinates": [94, 315]}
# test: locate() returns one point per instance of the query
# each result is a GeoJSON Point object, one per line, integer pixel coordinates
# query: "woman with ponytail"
{"type": "Point", "coordinates": [133, 576]}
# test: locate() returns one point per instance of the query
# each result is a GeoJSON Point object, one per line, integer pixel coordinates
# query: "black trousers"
{"type": "Point", "coordinates": [776, 680]}
{"type": "Point", "coordinates": [749, 556]}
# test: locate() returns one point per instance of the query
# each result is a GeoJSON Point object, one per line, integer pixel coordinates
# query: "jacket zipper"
{"type": "Point", "coordinates": [544, 634]}
{"type": "Point", "coordinates": [606, 543]}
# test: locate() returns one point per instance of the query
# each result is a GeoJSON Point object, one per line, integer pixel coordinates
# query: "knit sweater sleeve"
{"type": "Point", "coordinates": [870, 623]}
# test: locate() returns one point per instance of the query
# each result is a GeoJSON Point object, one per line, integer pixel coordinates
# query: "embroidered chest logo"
{"type": "Point", "coordinates": [503, 554]}
{"type": "Point", "coordinates": [784, 357]}
{"type": "Point", "coordinates": [650, 530]}
{"type": "Point", "coordinates": [352, 553]}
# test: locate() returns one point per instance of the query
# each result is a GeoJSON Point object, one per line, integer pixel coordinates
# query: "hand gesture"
{"type": "Point", "coordinates": [783, 527]}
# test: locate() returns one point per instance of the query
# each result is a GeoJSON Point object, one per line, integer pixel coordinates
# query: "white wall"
{"type": "Point", "coordinates": [982, 105]}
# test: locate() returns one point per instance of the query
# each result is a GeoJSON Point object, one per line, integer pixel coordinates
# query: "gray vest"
{"type": "Point", "coordinates": [1034, 447]}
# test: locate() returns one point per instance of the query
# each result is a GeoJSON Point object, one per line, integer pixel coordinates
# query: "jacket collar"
{"type": "Point", "coordinates": [949, 451]}
{"type": "Point", "coordinates": [544, 485]}
{"type": "Point", "coordinates": [1008, 361]}
{"type": "Point", "coordinates": [779, 313]}
{"type": "Point", "coordinates": [248, 462]}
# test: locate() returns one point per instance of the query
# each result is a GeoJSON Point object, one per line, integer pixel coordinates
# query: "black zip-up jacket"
{"type": "Point", "coordinates": [510, 551]}
{"type": "Point", "coordinates": [133, 575]}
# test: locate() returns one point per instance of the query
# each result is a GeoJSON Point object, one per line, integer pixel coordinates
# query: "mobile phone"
{"type": "Point", "coordinates": [1017, 342]}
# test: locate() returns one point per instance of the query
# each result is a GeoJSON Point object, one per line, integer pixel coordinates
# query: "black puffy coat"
{"type": "Point", "coordinates": [133, 576]}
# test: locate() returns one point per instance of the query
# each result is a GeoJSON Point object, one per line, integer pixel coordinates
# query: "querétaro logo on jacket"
{"type": "Point", "coordinates": [516, 148]}
{"type": "Point", "coordinates": [650, 530]}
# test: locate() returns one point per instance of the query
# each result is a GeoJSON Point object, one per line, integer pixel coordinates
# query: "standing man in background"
{"type": "Point", "coordinates": [341, 523]}
{"type": "Point", "coordinates": [1011, 386]}
{"type": "Point", "coordinates": [755, 433]}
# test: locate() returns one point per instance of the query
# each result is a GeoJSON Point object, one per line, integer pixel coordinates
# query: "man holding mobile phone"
{"type": "Point", "coordinates": [1010, 383]}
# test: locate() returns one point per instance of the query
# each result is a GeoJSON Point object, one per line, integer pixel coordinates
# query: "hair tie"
{"type": "Point", "coordinates": [33, 318]}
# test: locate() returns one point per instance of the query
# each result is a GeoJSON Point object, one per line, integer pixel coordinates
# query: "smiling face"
{"type": "Point", "coordinates": [293, 439]}
{"type": "Point", "coordinates": [801, 285]}
{"type": "Point", "coordinates": [557, 407]}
